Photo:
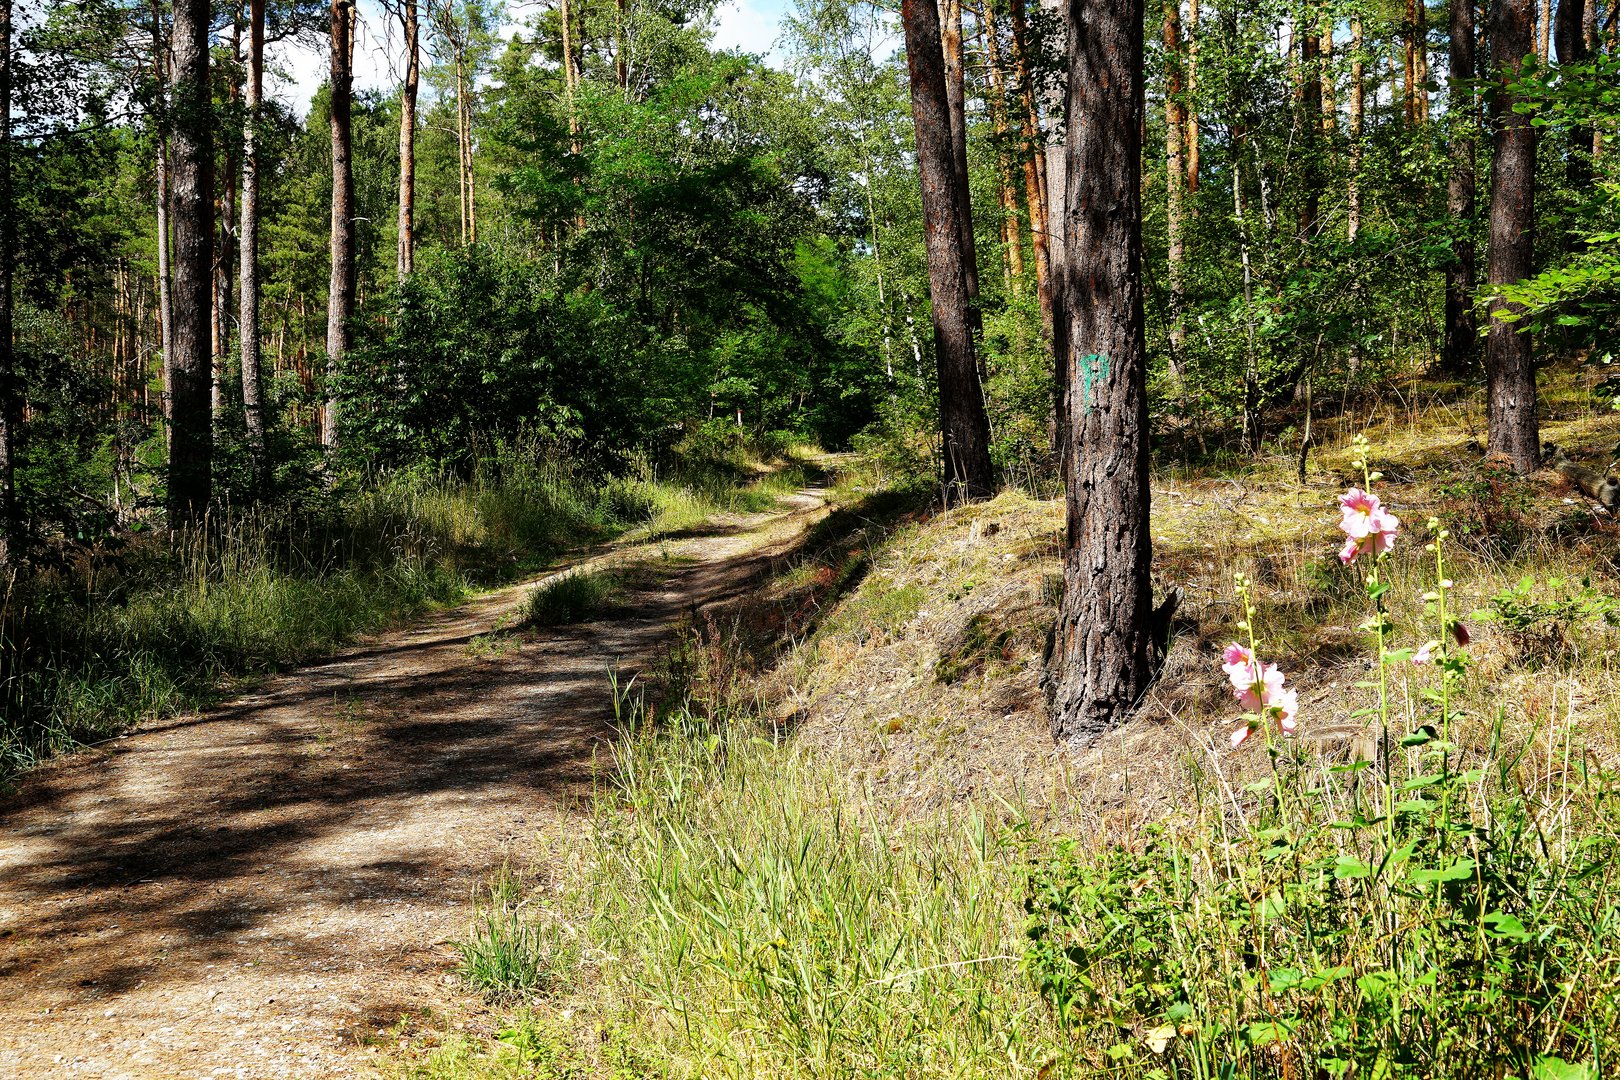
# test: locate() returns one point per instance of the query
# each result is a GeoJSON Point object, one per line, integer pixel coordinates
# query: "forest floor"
{"type": "Point", "coordinates": [265, 889]}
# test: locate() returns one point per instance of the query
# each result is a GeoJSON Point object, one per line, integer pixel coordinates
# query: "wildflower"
{"type": "Point", "coordinates": [1366, 524]}
{"type": "Point", "coordinates": [1259, 688]}
{"type": "Point", "coordinates": [1425, 655]}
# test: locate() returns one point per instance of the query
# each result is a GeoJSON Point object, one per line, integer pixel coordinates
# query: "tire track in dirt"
{"type": "Point", "coordinates": [260, 889]}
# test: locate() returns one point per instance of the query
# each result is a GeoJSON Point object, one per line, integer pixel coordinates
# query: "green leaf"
{"type": "Point", "coordinates": [1461, 870]}
{"type": "Point", "coordinates": [1502, 925]}
{"type": "Point", "coordinates": [1348, 866]}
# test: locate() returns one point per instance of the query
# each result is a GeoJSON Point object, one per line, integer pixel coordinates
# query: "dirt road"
{"type": "Point", "coordinates": [264, 889]}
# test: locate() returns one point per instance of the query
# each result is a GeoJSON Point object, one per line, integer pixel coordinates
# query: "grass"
{"type": "Point", "coordinates": [570, 598]}
{"type": "Point", "coordinates": [757, 902]}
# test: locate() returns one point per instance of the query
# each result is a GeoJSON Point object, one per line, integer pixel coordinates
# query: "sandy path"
{"type": "Point", "coordinates": [258, 890]}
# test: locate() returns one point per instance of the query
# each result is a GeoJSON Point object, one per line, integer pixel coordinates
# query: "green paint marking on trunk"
{"type": "Point", "coordinates": [1094, 369]}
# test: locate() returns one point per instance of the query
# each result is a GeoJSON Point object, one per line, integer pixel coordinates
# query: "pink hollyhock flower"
{"type": "Point", "coordinates": [1366, 524]}
{"type": "Point", "coordinates": [1425, 655]}
{"type": "Point", "coordinates": [1286, 705]}
{"type": "Point", "coordinates": [1241, 734]}
{"type": "Point", "coordinates": [1259, 688]}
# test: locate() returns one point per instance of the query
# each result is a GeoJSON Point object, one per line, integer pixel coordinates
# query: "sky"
{"type": "Point", "coordinates": [750, 25]}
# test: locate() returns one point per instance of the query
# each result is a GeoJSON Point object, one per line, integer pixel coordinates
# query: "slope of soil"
{"type": "Point", "coordinates": [265, 889]}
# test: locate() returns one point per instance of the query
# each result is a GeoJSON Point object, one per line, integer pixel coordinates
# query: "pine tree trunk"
{"type": "Point", "coordinates": [1191, 139]}
{"type": "Point", "coordinates": [224, 269]}
{"type": "Point", "coordinates": [1310, 66]}
{"type": "Point", "coordinates": [1330, 96]}
{"type": "Point", "coordinates": [1034, 155]}
{"type": "Point", "coordinates": [1457, 351]}
{"type": "Point", "coordinates": [1570, 39]}
{"type": "Point", "coordinates": [407, 142]}
{"type": "Point", "coordinates": [1175, 122]}
{"type": "Point", "coordinates": [1509, 366]}
{"type": "Point", "coordinates": [1544, 32]}
{"type": "Point", "coordinates": [1101, 657]}
{"type": "Point", "coordinates": [10, 519]}
{"type": "Point", "coordinates": [340, 290]}
{"type": "Point", "coordinates": [248, 254]}
{"type": "Point", "coordinates": [1012, 239]}
{"type": "Point", "coordinates": [956, 93]}
{"type": "Point", "coordinates": [965, 430]}
{"type": "Point", "coordinates": [160, 176]}
{"type": "Point", "coordinates": [191, 438]}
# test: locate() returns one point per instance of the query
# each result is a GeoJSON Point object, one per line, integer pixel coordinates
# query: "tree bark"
{"type": "Point", "coordinates": [1509, 367]}
{"type": "Point", "coordinates": [160, 176]}
{"type": "Point", "coordinates": [1457, 350]}
{"type": "Point", "coordinates": [1191, 110]}
{"type": "Point", "coordinates": [956, 94]}
{"type": "Point", "coordinates": [407, 141]}
{"type": "Point", "coordinates": [1570, 39]}
{"type": "Point", "coordinates": [224, 270]}
{"type": "Point", "coordinates": [10, 519]}
{"type": "Point", "coordinates": [964, 427]}
{"type": "Point", "coordinates": [1544, 32]}
{"type": "Point", "coordinates": [248, 242]}
{"type": "Point", "coordinates": [1012, 240]}
{"type": "Point", "coordinates": [1330, 97]}
{"type": "Point", "coordinates": [1175, 123]}
{"type": "Point", "coordinates": [191, 437]}
{"type": "Point", "coordinates": [340, 290]}
{"type": "Point", "coordinates": [1101, 657]}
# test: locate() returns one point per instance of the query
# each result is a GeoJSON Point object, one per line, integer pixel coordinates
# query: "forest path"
{"type": "Point", "coordinates": [262, 890]}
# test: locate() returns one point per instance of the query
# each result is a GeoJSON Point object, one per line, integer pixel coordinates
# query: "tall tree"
{"type": "Point", "coordinates": [1102, 649]}
{"type": "Point", "coordinates": [1000, 107]}
{"type": "Point", "coordinates": [1569, 36]}
{"type": "Point", "coordinates": [1358, 110]}
{"type": "Point", "coordinates": [1034, 162]}
{"type": "Point", "coordinates": [160, 173]}
{"type": "Point", "coordinates": [1310, 122]}
{"type": "Point", "coordinates": [1191, 109]}
{"type": "Point", "coordinates": [1457, 351]}
{"type": "Point", "coordinates": [248, 331]}
{"type": "Point", "coordinates": [407, 138]}
{"type": "Point", "coordinates": [340, 291]}
{"type": "Point", "coordinates": [1509, 365]}
{"type": "Point", "coordinates": [964, 426]}
{"type": "Point", "coordinates": [9, 518]}
{"type": "Point", "coordinates": [956, 95]}
{"type": "Point", "coordinates": [191, 438]}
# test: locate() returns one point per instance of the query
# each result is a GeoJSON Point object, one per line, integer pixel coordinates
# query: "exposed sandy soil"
{"type": "Point", "coordinates": [263, 889]}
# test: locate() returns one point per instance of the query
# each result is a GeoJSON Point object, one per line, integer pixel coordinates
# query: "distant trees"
{"type": "Point", "coordinates": [1459, 345]}
{"type": "Point", "coordinates": [1102, 650]}
{"type": "Point", "coordinates": [1510, 372]}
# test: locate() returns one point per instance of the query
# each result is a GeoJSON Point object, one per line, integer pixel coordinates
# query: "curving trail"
{"type": "Point", "coordinates": [263, 889]}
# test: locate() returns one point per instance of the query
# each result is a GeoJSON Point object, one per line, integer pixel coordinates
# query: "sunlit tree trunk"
{"type": "Point", "coordinates": [1544, 32]}
{"type": "Point", "coordinates": [1457, 352]}
{"type": "Point", "coordinates": [406, 261]}
{"type": "Point", "coordinates": [964, 427]}
{"type": "Point", "coordinates": [224, 270]}
{"type": "Point", "coordinates": [1101, 657]}
{"type": "Point", "coordinates": [191, 439]}
{"type": "Point", "coordinates": [1012, 239]}
{"type": "Point", "coordinates": [160, 176]}
{"type": "Point", "coordinates": [1509, 364]}
{"type": "Point", "coordinates": [1330, 96]}
{"type": "Point", "coordinates": [1191, 138]}
{"type": "Point", "coordinates": [248, 240]}
{"type": "Point", "coordinates": [340, 292]}
{"type": "Point", "coordinates": [1034, 160]}
{"type": "Point", "coordinates": [1310, 69]}
{"type": "Point", "coordinates": [1358, 106]}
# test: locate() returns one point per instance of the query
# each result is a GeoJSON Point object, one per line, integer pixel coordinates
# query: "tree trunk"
{"type": "Point", "coordinates": [1191, 110]}
{"type": "Point", "coordinates": [1330, 97]}
{"type": "Point", "coordinates": [1054, 98]}
{"type": "Point", "coordinates": [964, 428]}
{"type": "Point", "coordinates": [1570, 39]}
{"type": "Point", "coordinates": [1457, 352]}
{"type": "Point", "coordinates": [10, 519]}
{"type": "Point", "coordinates": [1101, 657]}
{"type": "Point", "coordinates": [160, 176]}
{"type": "Point", "coordinates": [955, 92]}
{"type": "Point", "coordinates": [1034, 157]}
{"type": "Point", "coordinates": [224, 270]}
{"type": "Point", "coordinates": [191, 437]}
{"type": "Point", "coordinates": [1544, 32]}
{"type": "Point", "coordinates": [407, 141]}
{"type": "Point", "coordinates": [1012, 239]}
{"type": "Point", "coordinates": [248, 240]}
{"type": "Point", "coordinates": [1175, 122]}
{"type": "Point", "coordinates": [340, 291]}
{"type": "Point", "coordinates": [1509, 368]}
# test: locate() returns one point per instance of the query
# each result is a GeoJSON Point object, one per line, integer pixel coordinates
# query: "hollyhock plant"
{"type": "Point", "coordinates": [1259, 688]}
{"type": "Point", "coordinates": [1367, 526]}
